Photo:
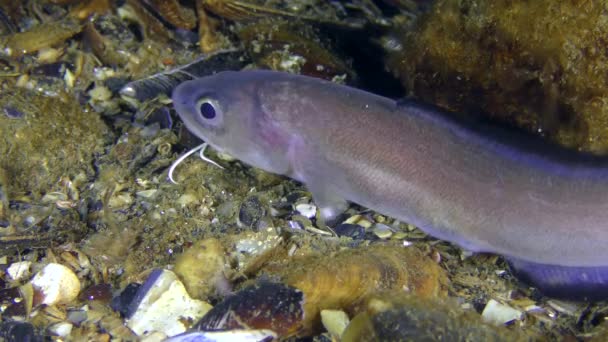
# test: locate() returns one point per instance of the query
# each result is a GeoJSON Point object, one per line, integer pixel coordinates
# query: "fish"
{"type": "Point", "coordinates": [543, 207]}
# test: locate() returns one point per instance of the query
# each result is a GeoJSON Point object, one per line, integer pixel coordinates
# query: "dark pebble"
{"type": "Point", "coordinates": [18, 331]}
{"type": "Point", "coordinates": [56, 70]}
{"type": "Point", "coordinates": [354, 231]}
{"type": "Point", "coordinates": [13, 112]}
{"type": "Point", "coordinates": [122, 302]}
{"type": "Point", "coordinates": [13, 303]}
{"type": "Point", "coordinates": [251, 211]}
{"type": "Point", "coordinates": [99, 292]}
{"type": "Point", "coordinates": [115, 83]}
{"type": "Point", "coordinates": [162, 116]}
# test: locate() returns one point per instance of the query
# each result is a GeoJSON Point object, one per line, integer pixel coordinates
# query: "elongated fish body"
{"type": "Point", "coordinates": [538, 206]}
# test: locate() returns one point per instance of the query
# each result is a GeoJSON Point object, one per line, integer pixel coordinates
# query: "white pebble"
{"type": "Point", "coordinates": [306, 209]}
{"type": "Point", "coordinates": [56, 284]}
{"type": "Point", "coordinates": [335, 322]}
{"type": "Point", "coordinates": [62, 329]}
{"type": "Point", "coordinates": [498, 314]}
{"type": "Point", "coordinates": [19, 270]}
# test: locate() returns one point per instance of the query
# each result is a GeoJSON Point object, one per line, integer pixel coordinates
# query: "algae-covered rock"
{"type": "Point", "coordinates": [540, 65]}
{"type": "Point", "coordinates": [43, 139]}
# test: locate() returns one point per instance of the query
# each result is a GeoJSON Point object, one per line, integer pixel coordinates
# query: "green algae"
{"type": "Point", "coordinates": [539, 65]}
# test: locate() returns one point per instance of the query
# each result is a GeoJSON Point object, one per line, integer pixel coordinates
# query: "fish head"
{"type": "Point", "coordinates": [225, 111]}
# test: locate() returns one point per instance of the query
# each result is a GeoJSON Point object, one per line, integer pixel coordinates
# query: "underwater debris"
{"type": "Point", "coordinates": [177, 15]}
{"type": "Point", "coordinates": [164, 82]}
{"type": "Point", "coordinates": [41, 36]}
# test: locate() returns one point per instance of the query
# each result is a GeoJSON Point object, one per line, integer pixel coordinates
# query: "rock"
{"type": "Point", "coordinates": [19, 270]}
{"type": "Point", "coordinates": [335, 321]}
{"type": "Point", "coordinates": [55, 284]}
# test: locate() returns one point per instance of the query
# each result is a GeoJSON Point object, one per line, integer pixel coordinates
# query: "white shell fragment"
{"type": "Point", "coordinates": [19, 270]}
{"type": "Point", "coordinates": [306, 209]}
{"type": "Point", "coordinates": [62, 329]}
{"type": "Point", "coordinates": [226, 336]}
{"type": "Point", "coordinates": [56, 284]}
{"type": "Point", "coordinates": [163, 305]}
{"type": "Point", "coordinates": [498, 314]}
{"type": "Point", "coordinates": [335, 322]}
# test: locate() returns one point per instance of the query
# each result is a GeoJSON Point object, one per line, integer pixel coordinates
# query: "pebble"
{"type": "Point", "coordinates": [62, 329]}
{"type": "Point", "coordinates": [100, 292]}
{"type": "Point", "coordinates": [162, 304]}
{"type": "Point", "coordinates": [354, 231]}
{"type": "Point", "coordinates": [335, 322]}
{"type": "Point", "coordinates": [55, 284]}
{"type": "Point", "coordinates": [19, 270]}
{"type": "Point", "coordinates": [251, 211]}
{"type": "Point", "coordinates": [382, 231]}
{"type": "Point", "coordinates": [360, 220]}
{"type": "Point", "coordinates": [146, 193]}
{"type": "Point", "coordinates": [17, 331]}
{"type": "Point", "coordinates": [498, 314]}
{"type": "Point", "coordinates": [121, 302]}
{"type": "Point", "coordinates": [306, 209]}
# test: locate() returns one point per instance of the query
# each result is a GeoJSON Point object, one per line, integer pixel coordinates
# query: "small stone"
{"type": "Point", "coordinates": [147, 193]}
{"type": "Point", "coordinates": [382, 231]}
{"type": "Point", "coordinates": [19, 270]}
{"type": "Point", "coordinates": [498, 314]}
{"type": "Point", "coordinates": [335, 321]}
{"type": "Point", "coordinates": [55, 284]}
{"type": "Point", "coordinates": [186, 199]}
{"type": "Point", "coordinates": [306, 209]}
{"type": "Point", "coordinates": [354, 231]}
{"type": "Point", "coordinates": [17, 331]}
{"type": "Point", "coordinates": [99, 292]}
{"type": "Point", "coordinates": [62, 329]}
{"type": "Point", "coordinates": [251, 211]}
{"type": "Point", "coordinates": [121, 302]}
{"type": "Point", "coordinates": [360, 220]}
{"type": "Point", "coordinates": [565, 307]}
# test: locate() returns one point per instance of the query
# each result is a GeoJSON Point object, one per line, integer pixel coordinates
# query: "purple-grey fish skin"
{"type": "Point", "coordinates": [456, 182]}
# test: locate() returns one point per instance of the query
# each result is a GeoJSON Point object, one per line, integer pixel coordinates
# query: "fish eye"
{"type": "Point", "coordinates": [208, 109]}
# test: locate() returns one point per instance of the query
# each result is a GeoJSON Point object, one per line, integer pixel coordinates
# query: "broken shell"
{"type": "Point", "coordinates": [40, 37]}
{"type": "Point", "coordinates": [162, 304]}
{"type": "Point", "coordinates": [55, 284]}
{"type": "Point", "coordinates": [272, 306]}
{"type": "Point", "coordinates": [344, 279]}
{"type": "Point", "coordinates": [498, 314]}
